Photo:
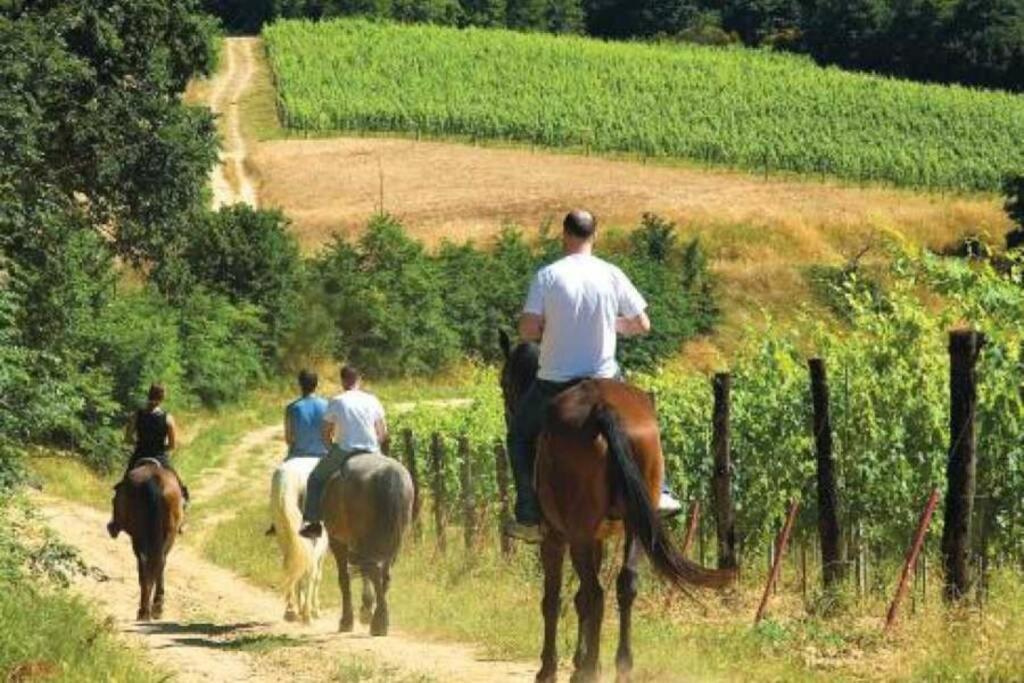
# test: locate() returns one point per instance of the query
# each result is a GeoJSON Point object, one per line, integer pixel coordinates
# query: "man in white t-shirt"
{"type": "Point", "coordinates": [576, 308]}
{"type": "Point", "coordinates": [353, 424]}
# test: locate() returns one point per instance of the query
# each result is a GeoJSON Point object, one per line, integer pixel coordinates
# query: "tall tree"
{"type": "Point", "coordinates": [986, 43]}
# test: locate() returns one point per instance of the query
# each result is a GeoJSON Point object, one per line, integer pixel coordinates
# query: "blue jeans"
{"type": "Point", "coordinates": [318, 478]}
{"type": "Point", "coordinates": [521, 443]}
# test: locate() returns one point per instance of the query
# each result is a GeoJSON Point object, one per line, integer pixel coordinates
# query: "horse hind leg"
{"type": "Point", "coordinates": [340, 552]}
{"type": "Point", "coordinates": [625, 587]}
{"type": "Point", "coordinates": [552, 556]}
{"type": "Point", "coordinates": [380, 576]}
{"type": "Point", "coordinates": [586, 559]}
{"type": "Point", "coordinates": [145, 612]}
{"type": "Point", "coordinates": [366, 608]}
{"type": "Point", "coordinates": [157, 574]}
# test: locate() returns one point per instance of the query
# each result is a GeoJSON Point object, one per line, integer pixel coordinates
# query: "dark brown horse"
{"type": "Point", "coordinates": [148, 507]}
{"type": "Point", "coordinates": [599, 466]}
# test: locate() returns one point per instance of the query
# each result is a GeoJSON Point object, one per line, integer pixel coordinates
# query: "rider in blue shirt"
{"type": "Point", "coordinates": [303, 423]}
{"type": "Point", "coordinates": [303, 420]}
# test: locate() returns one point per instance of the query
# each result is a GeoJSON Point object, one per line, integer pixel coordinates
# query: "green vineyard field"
{"type": "Point", "coordinates": [750, 109]}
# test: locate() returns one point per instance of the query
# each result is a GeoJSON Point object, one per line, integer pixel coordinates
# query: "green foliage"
{"type": "Point", "coordinates": [396, 309]}
{"type": "Point", "coordinates": [678, 287]}
{"type": "Point", "coordinates": [888, 373]}
{"type": "Point", "coordinates": [101, 169]}
{"type": "Point", "coordinates": [222, 340]}
{"type": "Point", "coordinates": [135, 338]}
{"type": "Point", "coordinates": [754, 110]}
{"type": "Point", "coordinates": [247, 255]}
{"type": "Point", "coordinates": [387, 300]}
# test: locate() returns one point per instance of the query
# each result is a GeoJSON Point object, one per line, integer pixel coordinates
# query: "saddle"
{"type": "Point", "coordinates": [147, 461]}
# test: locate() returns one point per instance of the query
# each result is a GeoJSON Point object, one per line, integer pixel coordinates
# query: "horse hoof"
{"type": "Point", "coordinates": [143, 616]}
{"type": "Point", "coordinates": [583, 677]}
{"type": "Point", "coordinates": [379, 627]}
{"type": "Point", "coordinates": [345, 626]}
{"type": "Point", "coordinates": [290, 615]}
{"type": "Point", "coordinates": [545, 676]}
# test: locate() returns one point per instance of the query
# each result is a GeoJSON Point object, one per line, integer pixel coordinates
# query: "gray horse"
{"type": "Point", "coordinates": [367, 507]}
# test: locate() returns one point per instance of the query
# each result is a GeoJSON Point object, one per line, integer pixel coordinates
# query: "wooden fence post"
{"type": "Point", "coordinates": [828, 495]}
{"type": "Point", "coordinates": [417, 501]}
{"type": "Point", "coordinates": [725, 514]}
{"type": "Point", "coordinates": [780, 551]}
{"type": "Point", "coordinates": [501, 469]}
{"type": "Point", "coordinates": [964, 347]}
{"type": "Point", "coordinates": [468, 497]}
{"type": "Point", "coordinates": [911, 560]}
{"type": "Point", "coordinates": [693, 522]}
{"type": "Point", "coordinates": [437, 467]}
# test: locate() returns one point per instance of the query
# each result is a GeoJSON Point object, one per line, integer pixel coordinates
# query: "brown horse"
{"type": "Point", "coordinates": [367, 508]}
{"type": "Point", "coordinates": [148, 507]}
{"type": "Point", "coordinates": [599, 466]}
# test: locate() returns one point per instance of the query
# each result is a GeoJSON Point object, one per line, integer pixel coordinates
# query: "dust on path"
{"type": "Point", "coordinates": [210, 612]}
{"type": "Point", "coordinates": [230, 179]}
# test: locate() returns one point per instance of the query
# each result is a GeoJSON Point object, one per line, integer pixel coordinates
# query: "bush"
{"type": "Point", "coordinates": [222, 341]}
{"type": "Point", "coordinates": [678, 286]}
{"type": "Point", "coordinates": [385, 295]}
{"type": "Point", "coordinates": [396, 309]}
{"type": "Point", "coordinates": [247, 255]}
{"type": "Point", "coordinates": [135, 338]}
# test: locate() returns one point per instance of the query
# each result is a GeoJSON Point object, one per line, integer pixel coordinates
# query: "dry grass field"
{"type": "Point", "coordinates": [760, 231]}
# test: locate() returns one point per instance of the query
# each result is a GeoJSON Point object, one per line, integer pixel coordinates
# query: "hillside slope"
{"type": "Point", "coordinates": [750, 109]}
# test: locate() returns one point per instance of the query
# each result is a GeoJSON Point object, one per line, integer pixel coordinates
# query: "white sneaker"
{"type": "Point", "coordinates": [668, 506]}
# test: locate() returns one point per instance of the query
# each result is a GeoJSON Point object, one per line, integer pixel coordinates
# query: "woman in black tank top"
{"type": "Point", "coordinates": [153, 434]}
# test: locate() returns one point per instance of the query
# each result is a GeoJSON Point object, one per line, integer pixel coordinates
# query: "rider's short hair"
{"type": "Point", "coordinates": [308, 381]}
{"type": "Point", "coordinates": [156, 393]}
{"type": "Point", "coordinates": [349, 376]}
{"type": "Point", "coordinates": [580, 223]}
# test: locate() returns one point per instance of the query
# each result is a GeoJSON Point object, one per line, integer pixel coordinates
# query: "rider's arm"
{"type": "Point", "coordinates": [531, 320]}
{"type": "Point", "coordinates": [634, 326]}
{"type": "Point", "coordinates": [129, 430]}
{"type": "Point", "coordinates": [383, 436]}
{"type": "Point", "coordinates": [172, 434]}
{"type": "Point", "coordinates": [531, 327]}
{"type": "Point", "coordinates": [632, 320]}
{"type": "Point", "coordinates": [327, 433]}
{"type": "Point", "coordinates": [289, 435]}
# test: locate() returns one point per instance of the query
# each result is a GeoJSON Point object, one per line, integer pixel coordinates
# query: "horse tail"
{"type": "Point", "coordinates": [284, 510]}
{"type": "Point", "coordinates": [155, 513]}
{"type": "Point", "coordinates": [391, 496]}
{"type": "Point", "coordinates": [642, 518]}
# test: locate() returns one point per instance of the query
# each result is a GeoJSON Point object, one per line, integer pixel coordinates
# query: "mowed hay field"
{"type": "Point", "coordinates": [761, 231]}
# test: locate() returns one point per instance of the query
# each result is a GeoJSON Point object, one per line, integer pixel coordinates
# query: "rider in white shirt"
{"type": "Point", "coordinates": [576, 308]}
{"type": "Point", "coordinates": [353, 423]}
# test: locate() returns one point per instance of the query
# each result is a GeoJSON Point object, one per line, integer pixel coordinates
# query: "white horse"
{"type": "Point", "coordinates": [303, 559]}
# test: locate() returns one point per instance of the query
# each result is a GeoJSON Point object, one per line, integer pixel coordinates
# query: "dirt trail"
{"type": "Point", "coordinates": [230, 179]}
{"type": "Point", "coordinates": [212, 614]}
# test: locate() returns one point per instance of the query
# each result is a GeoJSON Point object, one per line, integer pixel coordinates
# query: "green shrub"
{"type": "Point", "coordinates": [247, 255]}
{"type": "Point", "coordinates": [397, 309]}
{"type": "Point", "coordinates": [386, 297]}
{"type": "Point", "coordinates": [135, 338]}
{"type": "Point", "coordinates": [221, 347]}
